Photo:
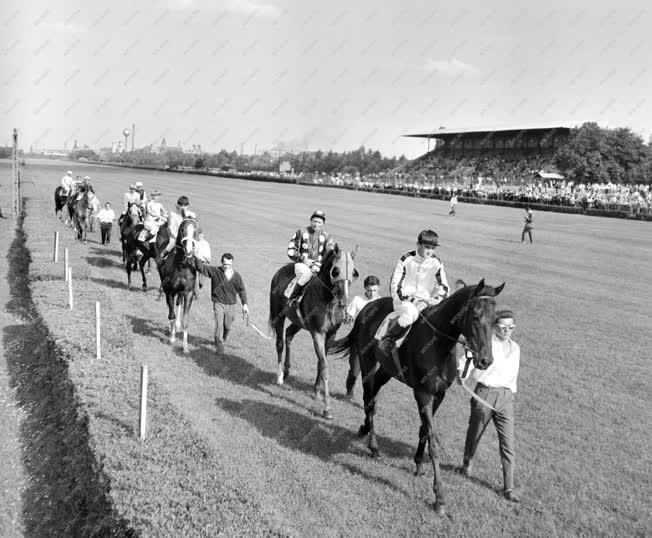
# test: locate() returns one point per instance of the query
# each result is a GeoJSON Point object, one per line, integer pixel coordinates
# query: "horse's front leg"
{"type": "Point", "coordinates": [278, 324]}
{"type": "Point", "coordinates": [425, 403]}
{"type": "Point", "coordinates": [187, 302]}
{"type": "Point", "coordinates": [170, 299]}
{"type": "Point", "coordinates": [423, 435]}
{"type": "Point", "coordinates": [290, 333]}
{"type": "Point", "coordinates": [142, 273]}
{"type": "Point", "coordinates": [319, 341]}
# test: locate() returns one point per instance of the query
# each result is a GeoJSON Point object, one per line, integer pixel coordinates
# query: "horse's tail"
{"type": "Point", "coordinates": [345, 346]}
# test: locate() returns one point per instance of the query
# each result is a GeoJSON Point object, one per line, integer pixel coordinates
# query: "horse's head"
{"type": "Point", "coordinates": [478, 321]}
{"type": "Point", "coordinates": [134, 213]}
{"type": "Point", "coordinates": [339, 270]}
{"type": "Point", "coordinates": [187, 235]}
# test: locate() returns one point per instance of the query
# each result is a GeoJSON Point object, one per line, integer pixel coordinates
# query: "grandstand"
{"type": "Point", "coordinates": [509, 152]}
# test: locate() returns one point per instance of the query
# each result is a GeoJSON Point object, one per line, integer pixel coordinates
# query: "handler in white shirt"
{"type": "Point", "coordinates": [497, 386]}
{"type": "Point", "coordinates": [106, 217]}
{"type": "Point", "coordinates": [371, 287]}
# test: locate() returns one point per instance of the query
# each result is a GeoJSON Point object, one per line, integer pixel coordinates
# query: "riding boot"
{"type": "Point", "coordinates": [394, 332]}
{"type": "Point", "coordinates": [296, 294]}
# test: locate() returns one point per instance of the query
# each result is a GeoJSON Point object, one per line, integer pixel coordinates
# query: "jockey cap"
{"type": "Point", "coordinates": [428, 238]}
{"type": "Point", "coordinates": [318, 214]}
{"type": "Point", "coordinates": [183, 201]}
{"type": "Point", "coordinates": [139, 184]}
{"type": "Point", "coordinates": [132, 186]}
{"type": "Point", "coordinates": [69, 173]}
{"type": "Point", "coordinates": [86, 177]}
{"type": "Point", "coordinates": [156, 192]}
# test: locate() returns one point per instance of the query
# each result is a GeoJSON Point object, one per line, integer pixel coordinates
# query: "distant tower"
{"type": "Point", "coordinates": [163, 144]}
{"type": "Point", "coordinates": [125, 133]}
{"type": "Point", "coordinates": [133, 136]}
{"type": "Point", "coordinates": [74, 148]}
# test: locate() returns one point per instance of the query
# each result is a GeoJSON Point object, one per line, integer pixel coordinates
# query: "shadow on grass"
{"type": "Point", "coordinates": [314, 438]}
{"type": "Point", "coordinates": [508, 241]}
{"type": "Point", "coordinates": [102, 262]}
{"type": "Point", "coordinates": [67, 492]}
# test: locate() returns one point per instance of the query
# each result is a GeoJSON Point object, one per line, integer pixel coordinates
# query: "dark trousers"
{"type": "Point", "coordinates": [526, 230]}
{"type": "Point", "coordinates": [452, 211]}
{"type": "Point", "coordinates": [105, 230]}
{"type": "Point", "coordinates": [224, 316]}
{"type": "Point", "coordinates": [503, 418]}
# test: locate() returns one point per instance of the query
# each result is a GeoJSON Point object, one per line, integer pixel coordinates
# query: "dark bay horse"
{"type": "Point", "coordinates": [322, 312]}
{"type": "Point", "coordinates": [83, 209]}
{"type": "Point", "coordinates": [60, 201]}
{"type": "Point", "coordinates": [426, 360]}
{"type": "Point", "coordinates": [178, 272]}
{"type": "Point", "coordinates": [126, 223]}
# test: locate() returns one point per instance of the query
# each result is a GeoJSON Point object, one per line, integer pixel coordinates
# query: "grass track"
{"type": "Point", "coordinates": [584, 318]}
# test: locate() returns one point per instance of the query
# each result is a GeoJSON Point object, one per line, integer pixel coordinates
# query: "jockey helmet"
{"type": "Point", "coordinates": [156, 192]}
{"type": "Point", "coordinates": [428, 238]}
{"type": "Point", "coordinates": [318, 214]}
{"type": "Point", "coordinates": [139, 184]}
{"type": "Point", "coordinates": [183, 201]}
{"type": "Point", "coordinates": [69, 173]}
{"type": "Point", "coordinates": [87, 178]}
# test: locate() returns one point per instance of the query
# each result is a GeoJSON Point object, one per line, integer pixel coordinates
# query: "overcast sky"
{"type": "Point", "coordinates": [316, 75]}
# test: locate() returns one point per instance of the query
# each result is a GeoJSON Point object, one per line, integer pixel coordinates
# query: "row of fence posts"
{"type": "Point", "coordinates": [144, 374]}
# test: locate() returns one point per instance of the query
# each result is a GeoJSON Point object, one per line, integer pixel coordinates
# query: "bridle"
{"type": "Point", "coordinates": [456, 340]}
{"type": "Point", "coordinates": [186, 239]}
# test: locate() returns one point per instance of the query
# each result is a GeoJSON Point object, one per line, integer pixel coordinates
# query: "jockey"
{"type": "Point", "coordinates": [140, 189]}
{"type": "Point", "coordinates": [131, 197]}
{"type": "Point", "coordinates": [85, 186]}
{"type": "Point", "coordinates": [418, 281]}
{"type": "Point", "coordinates": [155, 217]}
{"type": "Point", "coordinates": [175, 218]}
{"type": "Point", "coordinates": [67, 182]}
{"type": "Point", "coordinates": [307, 248]}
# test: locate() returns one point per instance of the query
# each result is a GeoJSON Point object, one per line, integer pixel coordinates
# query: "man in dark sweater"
{"type": "Point", "coordinates": [226, 285]}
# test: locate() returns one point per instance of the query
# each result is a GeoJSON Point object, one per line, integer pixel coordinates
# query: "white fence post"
{"type": "Point", "coordinates": [70, 287]}
{"type": "Point", "coordinates": [55, 256]}
{"type": "Point", "coordinates": [98, 351]}
{"type": "Point", "coordinates": [143, 401]}
{"type": "Point", "coordinates": [65, 265]}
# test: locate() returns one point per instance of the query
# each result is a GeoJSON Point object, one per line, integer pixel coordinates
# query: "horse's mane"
{"type": "Point", "coordinates": [459, 299]}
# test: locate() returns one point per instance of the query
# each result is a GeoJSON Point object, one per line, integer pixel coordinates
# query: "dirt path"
{"type": "Point", "coordinates": [12, 474]}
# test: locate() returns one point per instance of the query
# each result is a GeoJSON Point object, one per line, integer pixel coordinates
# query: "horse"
{"type": "Point", "coordinates": [177, 273]}
{"type": "Point", "coordinates": [425, 362]}
{"type": "Point", "coordinates": [126, 222]}
{"type": "Point", "coordinates": [83, 211]}
{"type": "Point", "coordinates": [60, 201]}
{"type": "Point", "coordinates": [137, 253]}
{"type": "Point", "coordinates": [321, 312]}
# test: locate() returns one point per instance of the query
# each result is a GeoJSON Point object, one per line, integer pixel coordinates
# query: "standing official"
{"type": "Point", "coordinates": [106, 217]}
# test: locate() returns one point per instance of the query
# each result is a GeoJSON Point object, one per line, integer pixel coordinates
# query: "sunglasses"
{"type": "Point", "coordinates": [505, 327]}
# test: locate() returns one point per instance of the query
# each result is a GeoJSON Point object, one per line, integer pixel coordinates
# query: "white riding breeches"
{"type": "Point", "coordinates": [408, 312]}
{"type": "Point", "coordinates": [303, 272]}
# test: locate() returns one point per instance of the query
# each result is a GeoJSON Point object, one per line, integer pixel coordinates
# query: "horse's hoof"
{"type": "Point", "coordinates": [328, 414]}
{"type": "Point", "coordinates": [362, 431]}
{"type": "Point", "coordinates": [144, 288]}
{"type": "Point", "coordinates": [421, 470]}
{"type": "Point", "coordinates": [440, 509]}
{"type": "Point", "coordinates": [375, 453]}
{"type": "Point", "coordinates": [186, 351]}
{"type": "Point", "coordinates": [349, 396]}
{"type": "Point", "coordinates": [279, 381]}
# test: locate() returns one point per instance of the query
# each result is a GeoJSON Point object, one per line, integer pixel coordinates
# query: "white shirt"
{"type": "Point", "coordinates": [453, 200]}
{"type": "Point", "coordinates": [503, 372]}
{"type": "Point", "coordinates": [357, 304]}
{"type": "Point", "coordinates": [130, 198]}
{"type": "Point", "coordinates": [67, 181]}
{"type": "Point", "coordinates": [156, 211]}
{"type": "Point", "coordinates": [106, 215]}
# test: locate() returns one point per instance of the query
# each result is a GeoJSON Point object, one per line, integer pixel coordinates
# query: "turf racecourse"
{"type": "Point", "coordinates": [583, 315]}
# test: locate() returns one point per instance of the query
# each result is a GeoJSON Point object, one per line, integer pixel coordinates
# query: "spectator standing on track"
{"type": "Point", "coordinates": [106, 218]}
{"type": "Point", "coordinates": [497, 386]}
{"type": "Point", "coordinates": [529, 224]}
{"type": "Point", "coordinates": [226, 286]}
{"type": "Point", "coordinates": [453, 204]}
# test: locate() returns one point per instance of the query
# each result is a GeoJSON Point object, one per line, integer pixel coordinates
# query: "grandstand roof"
{"type": "Point", "coordinates": [446, 133]}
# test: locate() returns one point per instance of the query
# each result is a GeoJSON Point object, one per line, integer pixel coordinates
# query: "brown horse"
{"type": "Point", "coordinates": [178, 272]}
{"type": "Point", "coordinates": [321, 312]}
{"type": "Point", "coordinates": [83, 211]}
{"type": "Point", "coordinates": [426, 361]}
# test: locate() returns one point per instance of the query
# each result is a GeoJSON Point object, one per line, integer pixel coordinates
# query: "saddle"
{"type": "Point", "coordinates": [382, 330]}
{"type": "Point", "coordinates": [290, 289]}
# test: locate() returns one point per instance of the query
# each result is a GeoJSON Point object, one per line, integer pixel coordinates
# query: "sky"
{"type": "Point", "coordinates": [255, 75]}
